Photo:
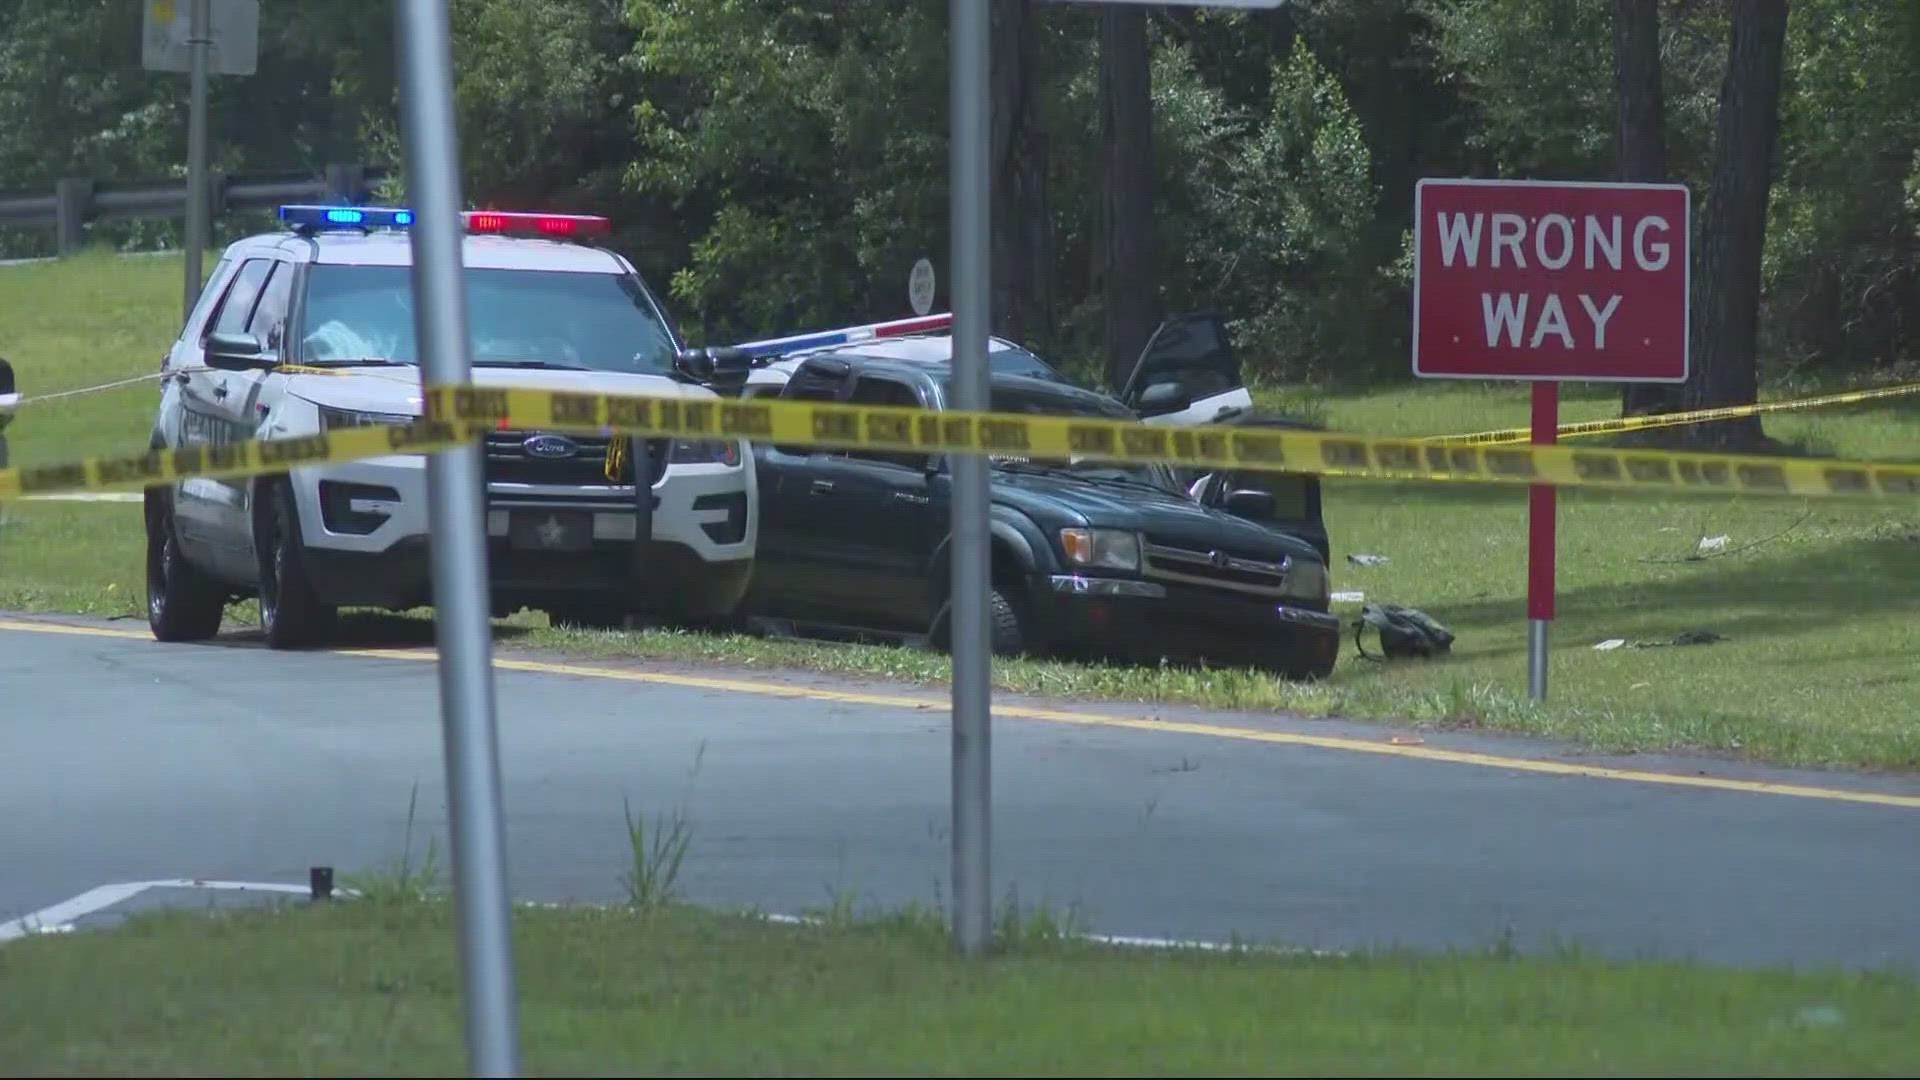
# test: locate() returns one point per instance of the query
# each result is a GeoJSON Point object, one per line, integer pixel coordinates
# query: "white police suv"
{"type": "Point", "coordinates": [312, 329]}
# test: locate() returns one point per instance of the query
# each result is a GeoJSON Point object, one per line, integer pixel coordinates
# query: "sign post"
{"type": "Point", "coordinates": [199, 37]}
{"type": "Point", "coordinates": [1549, 282]}
{"type": "Point", "coordinates": [456, 497]}
{"type": "Point", "coordinates": [969, 638]}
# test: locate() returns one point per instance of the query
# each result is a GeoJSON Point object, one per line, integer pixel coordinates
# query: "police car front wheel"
{"type": "Point", "coordinates": [182, 603]}
{"type": "Point", "coordinates": [292, 614]}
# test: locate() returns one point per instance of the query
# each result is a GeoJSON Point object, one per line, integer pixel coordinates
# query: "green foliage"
{"type": "Point", "coordinates": [772, 165]}
{"type": "Point", "coordinates": [1539, 77]}
{"type": "Point", "coordinates": [1842, 267]}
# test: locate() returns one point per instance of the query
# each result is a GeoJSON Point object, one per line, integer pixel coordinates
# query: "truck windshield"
{"type": "Point", "coordinates": [1011, 397]}
{"type": "Point", "coordinates": [518, 318]}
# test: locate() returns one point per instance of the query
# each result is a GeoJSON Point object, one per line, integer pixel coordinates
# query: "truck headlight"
{"type": "Point", "coordinates": [704, 452]}
{"type": "Point", "coordinates": [1307, 579]}
{"type": "Point", "coordinates": [1112, 549]}
{"type": "Point", "coordinates": [334, 419]}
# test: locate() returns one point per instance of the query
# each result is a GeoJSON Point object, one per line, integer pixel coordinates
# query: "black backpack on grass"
{"type": "Point", "coordinates": [1404, 632]}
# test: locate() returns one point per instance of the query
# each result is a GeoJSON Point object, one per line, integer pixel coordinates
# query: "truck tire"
{"type": "Point", "coordinates": [183, 604]}
{"type": "Point", "coordinates": [1006, 628]}
{"type": "Point", "coordinates": [292, 614]}
{"type": "Point", "coordinates": [1008, 634]}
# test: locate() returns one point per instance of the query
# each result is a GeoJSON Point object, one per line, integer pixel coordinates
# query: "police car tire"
{"type": "Point", "coordinates": [182, 603]}
{"type": "Point", "coordinates": [291, 613]}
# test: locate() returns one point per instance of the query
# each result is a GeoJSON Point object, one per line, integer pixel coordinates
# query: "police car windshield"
{"type": "Point", "coordinates": [519, 318]}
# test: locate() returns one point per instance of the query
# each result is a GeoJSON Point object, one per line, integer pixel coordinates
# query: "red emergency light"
{"type": "Point", "coordinates": [556, 225]}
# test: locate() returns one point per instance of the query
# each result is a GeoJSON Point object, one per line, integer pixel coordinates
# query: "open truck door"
{"type": "Point", "coordinates": [1187, 374]}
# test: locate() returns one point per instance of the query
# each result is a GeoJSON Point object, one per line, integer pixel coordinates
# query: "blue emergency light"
{"type": "Point", "coordinates": [345, 217]}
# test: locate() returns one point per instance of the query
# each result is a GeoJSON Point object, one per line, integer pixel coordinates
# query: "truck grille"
{"type": "Point", "coordinates": [509, 459]}
{"type": "Point", "coordinates": [1217, 569]}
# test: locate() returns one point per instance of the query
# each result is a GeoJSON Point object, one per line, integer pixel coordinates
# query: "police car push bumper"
{"type": "Point", "coordinates": [367, 506]}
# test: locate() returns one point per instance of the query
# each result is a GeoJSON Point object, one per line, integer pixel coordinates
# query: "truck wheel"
{"type": "Point", "coordinates": [291, 613]}
{"type": "Point", "coordinates": [1006, 631]}
{"type": "Point", "coordinates": [182, 603]}
{"type": "Point", "coordinates": [1009, 637]}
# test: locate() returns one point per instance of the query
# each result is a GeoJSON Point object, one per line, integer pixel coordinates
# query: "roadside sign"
{"type": "Point", "coordinates": [920, 287]}
{"type": "Point", "coordinates": [1550, 281]}
{"type": "Point", "coordinates": [233, 44]}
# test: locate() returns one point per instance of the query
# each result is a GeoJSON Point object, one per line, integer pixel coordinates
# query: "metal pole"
{"type": "Point", "coordinates": [1537, 659]}
{"type": "Point", "coordinates": [456, 510]}
{"type": "Point", "coordinates": [972, 566]}
{"type": "Point", "coordinates": [199, 36]}
{"type": "Point", "coordinates": [1541, 509]}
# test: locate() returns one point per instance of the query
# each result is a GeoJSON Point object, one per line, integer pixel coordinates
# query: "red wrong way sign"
{"type": "Point", "coordinates": [1550, 281]}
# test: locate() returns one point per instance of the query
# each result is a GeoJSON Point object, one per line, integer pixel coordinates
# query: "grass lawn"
{"type": "Point", "coordinates": [366, 988]}
{"type": "Point", "coordinates": [1815, 599]}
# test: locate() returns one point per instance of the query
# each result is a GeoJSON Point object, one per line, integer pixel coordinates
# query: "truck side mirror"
{"type": "Point", "coordinates": [1164, 397]}
{"type": "Point", "coordinates": [1249, 503]}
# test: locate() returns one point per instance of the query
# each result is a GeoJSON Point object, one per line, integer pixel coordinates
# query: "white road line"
{"type": "Point", "coordinates": [88, 497]}
{"type": "Point", "coordinates": [51, 919]}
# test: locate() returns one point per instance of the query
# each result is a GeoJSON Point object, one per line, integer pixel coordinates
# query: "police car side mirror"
{"type": "Point", "coordinates": [236, 352]}
{"type": "Point", "coordinates": [730, 368]}
{"type": "Point", "coordinates": [1249, 502]}
{"type": "Point", "coordinates": [721, 368]}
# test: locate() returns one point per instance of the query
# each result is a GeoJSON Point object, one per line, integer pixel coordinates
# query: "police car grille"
{"type": "Point", "coordinates": [508, 461]}
{"type": "Point", "coordinates": [1224, 570]}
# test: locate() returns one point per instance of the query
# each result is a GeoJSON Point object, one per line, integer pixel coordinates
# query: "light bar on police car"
{"type": "Point", "coordinates": [500, 221]}
{"type": "Point", "coordinates": [493, 222]}
{"type": "Point", "coordinates": [346, 217]}
{"type": "Point", "coordinates": [826, 338]}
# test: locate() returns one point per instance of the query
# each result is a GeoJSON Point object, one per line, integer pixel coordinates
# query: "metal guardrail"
{"type": "Point", "coordinates": [75, 202]}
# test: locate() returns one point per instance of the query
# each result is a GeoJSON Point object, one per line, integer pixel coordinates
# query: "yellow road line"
{"type": "Point", "coordinates": [1097, 720]}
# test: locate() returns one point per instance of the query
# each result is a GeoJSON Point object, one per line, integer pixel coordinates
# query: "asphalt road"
{"type": "Point", "coordinates": [122, 759]}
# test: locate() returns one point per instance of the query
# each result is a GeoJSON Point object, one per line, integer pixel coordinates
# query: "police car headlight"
{"type": "Point", "coordinates": [704, 452]}
{"type": "Point", "coordinates": [1111, 549]}
{"type": "Point", "coordinates": [334, 419]}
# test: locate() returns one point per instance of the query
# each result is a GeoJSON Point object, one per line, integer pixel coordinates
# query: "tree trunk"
{"type": "Point", "coordinates": [1641, 148]}
{"type": "Point", "coordinates": [1126, 139]}
{"type": "Point", "coordinates": [1022, 234]}
{"type": "Point", "coordinates": [1726, 301]}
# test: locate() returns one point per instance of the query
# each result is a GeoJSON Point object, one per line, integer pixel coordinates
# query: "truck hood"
{"type": "Point", "coordinates": [397, 389]}
{"type": "Point", "coordinates": [1163, 517]}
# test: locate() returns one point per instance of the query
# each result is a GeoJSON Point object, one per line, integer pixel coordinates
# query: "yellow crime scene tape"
{"type": "Point", "coordinates": [455, 415]}
{"type": "Point", "coordinates": [1675, 419]}
{"type": "Point", "coordinates": [256, 457]}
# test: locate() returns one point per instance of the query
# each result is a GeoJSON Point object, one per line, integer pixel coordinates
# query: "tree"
{"type": "Point", "coordinates": [1127, 234]}
{"type": "Point", "coordinates": [1022, 232]}
{"type": "Point", "coordinates": [1726, 302]}
{"type": "Point", "coordinates": [1641, 117]}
